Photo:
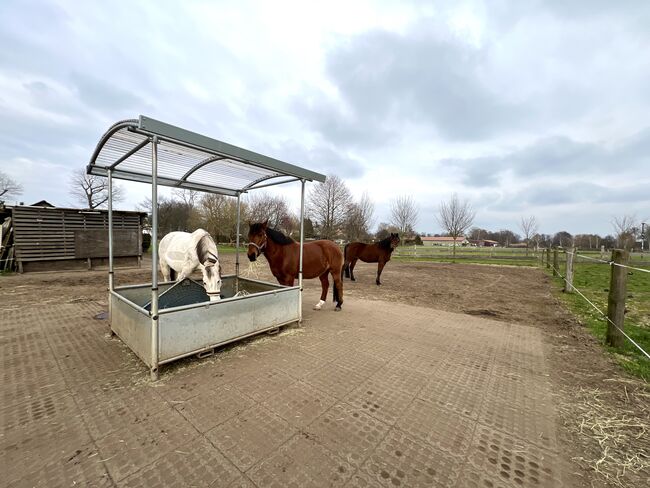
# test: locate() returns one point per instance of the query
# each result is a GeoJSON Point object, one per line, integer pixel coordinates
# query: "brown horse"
{"type": "Point", "coordinates": [369, 253]}
{"type": "Point", "coordinates": [283, 255]}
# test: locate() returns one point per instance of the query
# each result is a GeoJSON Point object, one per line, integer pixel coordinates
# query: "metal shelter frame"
{"type": "Point", "coordinates": [149, 151]}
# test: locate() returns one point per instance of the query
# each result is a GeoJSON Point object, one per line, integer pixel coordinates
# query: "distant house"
{"type": "Point", "coordinates": [483, 243]}
{"type": "Point", "coordinates": [444, 241]}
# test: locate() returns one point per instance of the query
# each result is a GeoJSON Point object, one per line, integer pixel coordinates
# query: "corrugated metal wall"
{"type": "Point", "coordinates": [44, 234]}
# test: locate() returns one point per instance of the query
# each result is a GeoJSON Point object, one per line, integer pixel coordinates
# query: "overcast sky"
{"type": "Point", "coordinates": [523, 108]}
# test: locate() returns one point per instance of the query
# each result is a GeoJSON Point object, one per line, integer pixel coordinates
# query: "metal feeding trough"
{"type": "Point", "coordinates": [184, 292]}
{"type": "Point", "coordinates": [162, 322]}
{"type": "Point", "coordinates": [189, 323]}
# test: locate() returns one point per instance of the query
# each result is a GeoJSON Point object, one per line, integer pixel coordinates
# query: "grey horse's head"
{"type": "Point", "coordinates": [206, 251]}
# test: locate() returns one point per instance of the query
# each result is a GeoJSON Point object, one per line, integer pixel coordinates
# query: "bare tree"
{"type": "Point", "coordinates": [328, 204]}
{"type": "Point", "coordinates": [529, 227]}
{"type": "Point", "coordinates": [91, 190]}
{"type": "Point", "coordinates": [624, 228]}
{"type": "Point", "coordinates": [360, 219]}
{"type": "Point", "coordinates": [190, 200]}
{"type": "Point", "coordinates": [455, 216]}
{"type": "Point", "coordinates": [404, 214]}
{"type": "Point", "coordinates": [219, 216]}
{"type": "Point", "coordinates": [173, 215]}
{"type": "Point", "coordinates": [188, 197]}
{"type": "Point", "coordinates": [9, 188]}
{"type": "Point", "coordinates": [264, 206]}
{"type": "Point", "coordinates": [384, 230]}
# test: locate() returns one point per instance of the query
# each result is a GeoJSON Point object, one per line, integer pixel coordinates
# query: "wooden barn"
{"type": "Point", "coordinates": [46, 238]}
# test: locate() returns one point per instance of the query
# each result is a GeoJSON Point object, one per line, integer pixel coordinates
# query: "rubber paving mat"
{"type": "Point", "coordinates": [380, 395]}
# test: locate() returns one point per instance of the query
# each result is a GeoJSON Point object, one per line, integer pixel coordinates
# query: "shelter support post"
{"type": "Point", "coordinates": [302, 244]}
{"type": "Point", "coordinates": [111, 282]}
{"type": "Point", "coordinates": [154, 258]}
{"type": "Point", "coordinates": [237, 242]}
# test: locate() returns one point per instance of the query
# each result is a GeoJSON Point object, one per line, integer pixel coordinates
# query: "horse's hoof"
{"type": "Point", "coordinates": [337, 309]}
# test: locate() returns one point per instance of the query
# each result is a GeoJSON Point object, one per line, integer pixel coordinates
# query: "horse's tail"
{"type": "Point", "coordinates": [346, 264]}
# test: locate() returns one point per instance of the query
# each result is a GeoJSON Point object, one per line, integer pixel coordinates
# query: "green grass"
{"type": "Point", "coordinates": [223, 249]}
{"type": "Point", "coordinates": [592, 279]}
{"type": "Point", "coordinates": [468, 255]}
{"type": "Point", "coordinates": [469, 260]}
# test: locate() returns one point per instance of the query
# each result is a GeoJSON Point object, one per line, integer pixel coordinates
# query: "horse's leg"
{"type": "Point", "coordinates": [380, 268]}
{"type": "Point", "coordinates": [166, 270]}
{"type": "Point", "coordinates": [325, 285]}
{"type": "Point", "coordinates": [353, 263]}
{"type": "Point", "coordinates": [338, 290]}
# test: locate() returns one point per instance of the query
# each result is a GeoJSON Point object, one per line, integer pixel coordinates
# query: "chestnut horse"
{"type": "Point", "coordinates": [369, 253]}
{"type": "Point", "coordinates": [283, 255]}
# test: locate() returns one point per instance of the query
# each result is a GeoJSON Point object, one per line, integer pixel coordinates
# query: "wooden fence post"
{"type": "Point", "coordinates": [556, 261]}
{"type": "Point", "coordinates": [568, 284]}
{"type": "Point", "coordinates": [548, 257]}
{"type": "Point", "coordinates": [616, 299]}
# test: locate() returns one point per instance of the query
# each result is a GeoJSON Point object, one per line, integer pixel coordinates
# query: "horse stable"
{"type": "Point", "coordinates": [48, 238]}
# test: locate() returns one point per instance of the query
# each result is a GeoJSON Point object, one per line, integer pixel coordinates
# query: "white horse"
{"type": "Point", "coordinates": [182, 253]}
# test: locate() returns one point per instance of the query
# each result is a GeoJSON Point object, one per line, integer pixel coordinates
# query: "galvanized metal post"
{"type": "Point", "coordinates": [237, 242]}
{"type": "Point", "coordinates": [110, 249]}
{"type": "Point", "coordinates": [110, 230]}
{"type": "Point", "coordinates": [154, 258]}
{"type": "Point", "coordinates": [302, 243]}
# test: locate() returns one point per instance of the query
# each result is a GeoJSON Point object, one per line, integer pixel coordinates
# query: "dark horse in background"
{"type": "Point", "coordinates": [283, 255]}
{"type": "Point", "coordinates": [369, 253]}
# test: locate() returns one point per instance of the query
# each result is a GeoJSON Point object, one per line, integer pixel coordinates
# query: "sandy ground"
{"type": "Point", "coordinates": [603, 410]}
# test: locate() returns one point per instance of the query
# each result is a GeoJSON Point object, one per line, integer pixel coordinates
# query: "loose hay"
{"type": "Point", "coordinates": [254, 269]}
{"type": "Point", "coordinates": [624, 452]}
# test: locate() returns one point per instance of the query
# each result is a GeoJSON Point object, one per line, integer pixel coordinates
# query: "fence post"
{"type": "Point", "coordinates": [548, 257]}
{"type": "Point", "coordinates": [568, 284]}
{"type": "Point", "coordinates": [556, 262]}
{"type": "Point", "coordinates": [616, 299]}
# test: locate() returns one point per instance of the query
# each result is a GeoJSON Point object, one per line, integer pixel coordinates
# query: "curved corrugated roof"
{"type": "Point", "coordinates": [187, 160]}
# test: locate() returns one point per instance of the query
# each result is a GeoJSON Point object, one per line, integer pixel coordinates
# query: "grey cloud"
{"type": "Point", "coordinates": [556, 155]}
{"type": "Point", "coordinates": [102, 94]}
{"type": "Point", "coordinates": [322, 159]}
{"type": "Point", "coordinates": [386, 79]}
{"type": "Point", "coordinates": [339, 127]}
{"type": "Point", "coordinates": [574, 193]}
{"type": "Point", "coordinates": [596, 8]}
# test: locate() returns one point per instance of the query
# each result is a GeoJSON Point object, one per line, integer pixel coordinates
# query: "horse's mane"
{"type": "Point", "coordinates": [203, 248]}
{"type": "Point", "coordinates": [278, 237]}
{"type": "Point", "coordinates": [385, 244]}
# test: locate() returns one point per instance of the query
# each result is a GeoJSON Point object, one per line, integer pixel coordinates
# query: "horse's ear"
{"type": "Point", "coordinates": [265, 224]}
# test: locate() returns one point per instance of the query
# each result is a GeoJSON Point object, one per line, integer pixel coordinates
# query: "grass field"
{"type": "Point", "coordinates": [592, 279]}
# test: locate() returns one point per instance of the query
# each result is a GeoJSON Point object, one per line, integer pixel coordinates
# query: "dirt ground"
{"type": "Point", "coordinates": [603, 410]}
